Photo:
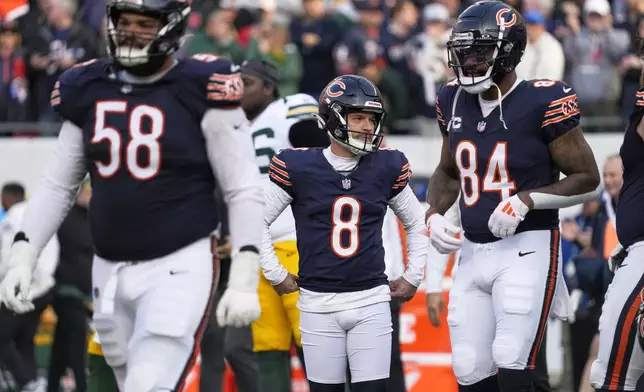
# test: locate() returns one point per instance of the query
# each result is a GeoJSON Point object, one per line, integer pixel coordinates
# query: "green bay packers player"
{"type": "Point", "coordinates": [277, 123]}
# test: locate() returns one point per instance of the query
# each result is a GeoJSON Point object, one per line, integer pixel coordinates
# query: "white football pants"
{"type": "Point", "coordinates": [500, 302]}
{"type": "Point", "coordinates": [363, 335]}
{"type": "Point", "coordinates": [150, 315]}
{"type": "Point", "coordinates": [620, 362]}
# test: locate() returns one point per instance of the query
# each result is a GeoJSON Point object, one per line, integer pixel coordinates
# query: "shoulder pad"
{"type": "Point", "coordinates": [300, 106]}
{"type": "Point", "coordinates": [217, 79]}
{"type": "Point", "coordinates": [67, 94]}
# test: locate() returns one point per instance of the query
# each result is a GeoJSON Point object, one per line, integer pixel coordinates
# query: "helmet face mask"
{"type": "Point", "coordinates": [352, 113]}
{"type": "Point", "coordinates": [141, 36]}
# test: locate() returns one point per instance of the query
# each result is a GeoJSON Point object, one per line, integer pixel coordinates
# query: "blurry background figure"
{"type": "Point", "coordinates": [593, 52]}
{"type": "Point", "coordinates": [218, 37]}
{"type": "Point", "coordinates": [593, 236]}
{"type": "Point", "coordinates": [17, 330]}
{"type": "Point", "coordinates": [13, 75]}
{"type": "Point", "coordinates": [316, 35]}
{"type": "Point", "coordinates": [544, 56]}
{"type": "Point", "coordinates": [58, 44]}
{"type": "Point", "coordinates": [233, 344]}
{"type": "Point", "coordinates": [274, 46]}
{"type": "Point", "coordinates": [72, 295]}
{"type": "Point", "coordinates": [631, 69]}
{"type": "Point", "coordinates": [428, 57]}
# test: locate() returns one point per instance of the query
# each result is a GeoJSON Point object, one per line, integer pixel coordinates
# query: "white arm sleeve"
{"type": "Point", "coordinates": [547, 201]}
{"type": "Point", "coordinates": [412, 214]}
{"type": "Point", "coordinates": [436, 262]}
{"type": "Point", "coordinates": [276, 201]}
{"type": "Point", "coordinates": [56, 192]}
{"type": "Point", "coordinates": [232, 157]}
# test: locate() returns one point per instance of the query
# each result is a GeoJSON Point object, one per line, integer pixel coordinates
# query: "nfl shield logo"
{"type": "Point", "coordinates": [481, 126]}
{"type": "Point", "coordinates": [346, 183]}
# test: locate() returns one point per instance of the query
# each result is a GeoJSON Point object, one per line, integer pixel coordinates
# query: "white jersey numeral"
{"type": "Point", "coordinates": [341, 225]}
{"type": "Point", "coordinates": [496, 179]}
{"type": "Point", "coordinates": [138, 139]}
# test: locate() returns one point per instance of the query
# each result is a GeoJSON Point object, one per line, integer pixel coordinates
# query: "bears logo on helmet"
{"type": "Point", "coordinates": [350, 94]}
{"type": "Point", "coordinates": [487, 42]}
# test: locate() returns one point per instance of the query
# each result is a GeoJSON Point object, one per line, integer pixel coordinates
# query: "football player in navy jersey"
{"type": "Point", "coordinates": [339, 196]}
{"type": "Point", "coordinates": [155, 135]}
{"type": "Point", "coordinates": [620, 362]}
{"type": "Point", "coordinates": [505, 143]}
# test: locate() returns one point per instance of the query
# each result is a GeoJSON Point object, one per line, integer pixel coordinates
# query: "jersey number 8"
{"type": "Point", "coordinates": [496, 178]}
{"type": "Point", "coordinates": [138, 139]}
{"type": "Point", "coordinates": [341, 225]}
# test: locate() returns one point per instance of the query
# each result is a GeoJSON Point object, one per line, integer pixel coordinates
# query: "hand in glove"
{"type": "Point", "coordinates": [239, 305]}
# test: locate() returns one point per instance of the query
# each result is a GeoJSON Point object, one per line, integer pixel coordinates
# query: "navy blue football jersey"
{"type": "Point", "coordinates": [495, 163]}
{"type": "Point", "coordinates": [338, 218]}
{"type": "Point", "coordinates": [629, 214]}
{"type": "Point", "coordinates": [152, 181]}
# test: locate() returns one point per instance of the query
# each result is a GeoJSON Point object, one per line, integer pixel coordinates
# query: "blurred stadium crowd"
{"type": "Point", "coordinates": [398, 44]}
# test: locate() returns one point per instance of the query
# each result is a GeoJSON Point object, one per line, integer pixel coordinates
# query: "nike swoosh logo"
{"type": "Point", "coordinates": [172, 272]}
{"type": "Point", "coordinates": [521, 254]}
{"type": "Point", "coordinates": [236, 127]}
{"type": "Point", "coordinates": [234, 68]}
{"type": "Point", "coordinates": [567, 90]}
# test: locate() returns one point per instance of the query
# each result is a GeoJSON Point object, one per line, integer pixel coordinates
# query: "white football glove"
{"type": "Point", "coordinates": [442, 234]}
{"type": "Point", "coordinates": [239, 305]}
{"type": "Point", "coordinates": [506, 217]}
{"type": "Point", "coordinates": [616, 257]}
{"type": "Point", "coordinates": [14, 288]}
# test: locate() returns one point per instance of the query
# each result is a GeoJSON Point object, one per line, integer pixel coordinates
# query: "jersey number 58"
{"type": "Point", "coordinates": [138, 139]}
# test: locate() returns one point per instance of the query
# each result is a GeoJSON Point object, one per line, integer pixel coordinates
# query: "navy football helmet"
{"type": "Point", "coordinates": [486, 43]}
{"type": "Point", "coordinates": [138, 47]}
{"type": "Point", "coordinates": [350, 94]}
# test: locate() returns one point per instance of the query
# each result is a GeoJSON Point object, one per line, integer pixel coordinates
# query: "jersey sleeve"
{"type": "Point", "coordinates": [443, 105]}
{"type": "Point", "coordinates": [219, 80]}
{"type": "Point", "coordinates": [67, 97]}
{"type": "Point", "coordinates": [561, 112]}
{"type": "Point", "coordinates": [401, 174]}
{"type": "Point", "coordinates": [279, 174]}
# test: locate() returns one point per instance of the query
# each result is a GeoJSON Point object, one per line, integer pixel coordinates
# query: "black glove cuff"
{"type": "Point", "coordinates": [249, 248]}
{"type": "Point", "coordinates": [20, 236]}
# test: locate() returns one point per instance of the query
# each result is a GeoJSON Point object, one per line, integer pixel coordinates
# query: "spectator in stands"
{"type": "Point", "coordinates": [218, 37]}
{"type": "Point", "coordinates": [273, 45]}
{"type": "Point", "coordinates": [362, 42]}
{"type": "Point", "coordinates": [13, 81]}
{"type": "Point", "coordinates": [315, 34]}
{"type": "Point", "coordinates": [631, 69]}
{"type": "Point", "coordinates": [590, 270]}
{"type": "Point", "coordinates": [429, 56]}
{"type": "Point", "coordinates": [544, 56]}
{"type": "Point", "coordinates": [593, 53]}
{"type": "Point", "coordinates": [54, 47]}
{"type": "Point", "coordinates": [396, 34]}
{"type": "Point", "coordinates": [394, 90]}
{"type": "Point", "coordinates": [17, 330]}
{"type": "Point", "coordinates": [72, 295]}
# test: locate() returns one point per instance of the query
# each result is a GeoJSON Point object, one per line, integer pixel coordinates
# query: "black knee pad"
{"type": "Point", "coordinates": [370, 386]}
{"type": "Point", "coordinates": [511, 380]}
{"type": "Point", "coordinates": [490, 384]}
{"type": "Point", "coordinates": [317, 387]}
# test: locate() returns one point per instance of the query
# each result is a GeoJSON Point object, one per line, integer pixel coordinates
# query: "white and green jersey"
{"type": "Point", "coordinates": [271, 130]}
